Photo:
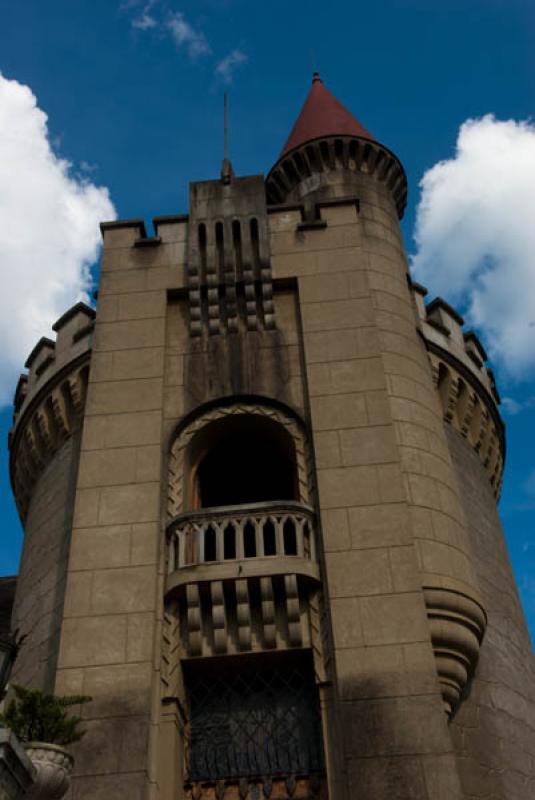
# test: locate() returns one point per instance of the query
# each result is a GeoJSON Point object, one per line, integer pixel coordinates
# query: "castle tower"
{"type": "Point", "coordinates": [259, 495]}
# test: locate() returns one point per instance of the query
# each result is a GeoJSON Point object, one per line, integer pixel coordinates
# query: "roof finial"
{"type": "Point", "coordinates": [227, 173]}
{"type": "Point", "coordinates": [314, 63]}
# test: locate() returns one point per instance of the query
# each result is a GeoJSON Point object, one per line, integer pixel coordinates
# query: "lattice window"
{"type": "Point", "coordinates": [246, 721]}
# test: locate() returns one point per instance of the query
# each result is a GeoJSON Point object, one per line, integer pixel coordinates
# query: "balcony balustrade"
{"type": "Point", "coordinates": [238, 533]}
{"type": "Point", "coordinates": [243, 576]}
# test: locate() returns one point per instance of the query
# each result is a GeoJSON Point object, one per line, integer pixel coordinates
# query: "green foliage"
{"type": "Point", "coordinates": [34, 716]}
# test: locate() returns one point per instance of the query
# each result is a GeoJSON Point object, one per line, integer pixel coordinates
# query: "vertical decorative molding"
{"type": "Point", "coordinates": [219, 624]}
{"type": "Point", "coordinates": [194, 631]}
{"type": "Point", "coordinates": [293, 611]}
{"type": "Point", "coordinates": [243, 615]}
{"type": "Point", "coordinates": [268, 613]}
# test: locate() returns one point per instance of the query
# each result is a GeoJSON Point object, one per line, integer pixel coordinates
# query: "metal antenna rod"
{"type": "Point", "coordinates": [225, 126]}
{"type": "Point", "coordinates": [226, 168]}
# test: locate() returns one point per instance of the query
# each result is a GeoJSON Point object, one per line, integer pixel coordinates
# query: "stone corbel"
{"type": "Point", "coordinates": [457, 625]}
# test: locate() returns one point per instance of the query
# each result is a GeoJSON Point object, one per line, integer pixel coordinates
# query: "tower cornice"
{"type": "Point", "coordinates": [317, 157]}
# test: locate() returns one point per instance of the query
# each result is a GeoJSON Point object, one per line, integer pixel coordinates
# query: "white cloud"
{"type": "Point", "coordinates": [146, 20]}
{"type": "Point", "coordinates": [185, 36]}
{"type": "Point", "coordinates": [226, 68]}
{"type": "Point", "coordinates": [49, 234]}
{"type": "Point", "coordinates": [85, 166]}
{"type": "Point", "coordinates": [529, 484]}
{"type": "Point", "coordinates": [475, 235]}
{"type": "Point", "coordinates": [513, 407]}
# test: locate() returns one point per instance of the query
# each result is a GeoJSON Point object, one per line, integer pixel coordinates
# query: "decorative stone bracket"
{"type": "Point", "coordinates": [457, 624]}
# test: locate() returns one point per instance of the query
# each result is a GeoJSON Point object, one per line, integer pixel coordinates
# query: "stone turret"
{"type": "Point", "coordinates": [465, 383]}
{"type": "Point", "coordinates": [44, 442]}
{"type": "Point", "coordinates": [329, 155]}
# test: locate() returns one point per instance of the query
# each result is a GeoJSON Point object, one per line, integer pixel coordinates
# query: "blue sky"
{"type": "Point", "coordinates": [133, 94]}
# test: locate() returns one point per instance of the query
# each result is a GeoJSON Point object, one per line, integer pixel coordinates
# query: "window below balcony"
{"type": "Point", "coordinates": [260, 720]}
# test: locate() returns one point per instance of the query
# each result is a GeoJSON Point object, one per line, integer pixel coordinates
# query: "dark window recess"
{"type": "Point", "coordinates": [210, 553]}
{"type": "Point", "coordinates": [220, 249]}
{"type": "Point", "coordinates": [255, 721]}
{"type": "Point", "coordinates": [229, 542]}
{"type": "Point", "coordinates": [202, 250]}
{"type": "Point", "coordinates": [249, 540]}
{"type": "Point", "coordinates": [270, 545]}
{"type": "Point", "coordinates": [247, 463]}
{"type": "Point", "coordinates": [290, 538]}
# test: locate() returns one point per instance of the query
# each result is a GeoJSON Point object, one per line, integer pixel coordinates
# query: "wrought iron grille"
{"type": "Point", "coordinates": [254, 722]}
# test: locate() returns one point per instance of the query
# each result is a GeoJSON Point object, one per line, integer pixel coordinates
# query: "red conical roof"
{"type": "Point", "coordinates": [323, 115]}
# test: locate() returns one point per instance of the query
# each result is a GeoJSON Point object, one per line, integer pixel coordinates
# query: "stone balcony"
{"type": "Point", "coordinates": [243, 576]}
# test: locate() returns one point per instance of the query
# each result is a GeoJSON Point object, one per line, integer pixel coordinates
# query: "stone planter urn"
{"type": "Point", "coordinates": [53, 766]}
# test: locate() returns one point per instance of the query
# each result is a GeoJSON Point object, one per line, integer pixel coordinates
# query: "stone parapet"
{"type": "Point", "coordinates": [49, 400]}
{"type": "Point", "coordinates": [318, 164]}
{"type": "Point", "coordinates": [465, 384]}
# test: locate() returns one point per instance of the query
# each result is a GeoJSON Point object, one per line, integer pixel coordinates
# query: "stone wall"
{"type": "Point", "coordinates": [113, 599]}
{"type": "Point", "coordinates": [368, 382]}
{"type": "Point", "coordinates": [38, 606]}
{"type": "Point", "coordinates": [494, 729]}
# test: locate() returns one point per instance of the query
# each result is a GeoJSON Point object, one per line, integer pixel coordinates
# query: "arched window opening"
{"type": "Point", "coordinates": [325, 154]}
{"type": "Point", "coordinates": [220, 249]}
{"type": "Point", "coordinates": [229, 543]}
{"type": "Point", "coordinates": [236, 241]}
{"type": "Point", "coordinates": [444, 387]}
{"type": "Point", "coordinates": [311, 154]}
{"type": "Point", "coordinates": [290, 538]}
{"type": "Point", "coordinates": [353, 151]}
{"type": "Point", "coordinates": [210, 549]}
{"type": "Point", "coordinates": [270, 543]}
{"type": "Point", "coordinates": [202, 248]}
{"type": "Point", "coordinates": [249, 540]}
{"type": "Point", "coordinates": [339, 152]}
{"type": "Point", "coordinates": [255, 243]}
{"type": "Point", "coordinates": [242, 459]}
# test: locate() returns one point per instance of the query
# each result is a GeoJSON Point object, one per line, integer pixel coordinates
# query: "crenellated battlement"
{"type": "Point", "coordinates": [465, 383]}
{"type": "Point", "coordinates": [307, 168]}
{"type": "Point", "coordinates": [49, 399]}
